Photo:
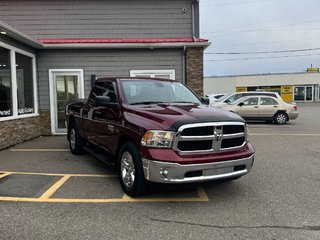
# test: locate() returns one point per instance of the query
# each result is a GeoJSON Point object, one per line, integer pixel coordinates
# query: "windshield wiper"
{"type": "Point", "coordinates": [147, 102]}
{"type": "Point", "coordinates": [184, 102]}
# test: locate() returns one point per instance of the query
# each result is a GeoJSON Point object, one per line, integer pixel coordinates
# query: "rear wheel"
{"type": "Point", "coordinates": [75, 141]}
{"type": "Point", "coordinates": [131, 174]}
{"type": "Point", "coordinates": [280, 118]}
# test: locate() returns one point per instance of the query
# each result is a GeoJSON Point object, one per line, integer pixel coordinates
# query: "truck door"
{"type": "Point", "coordinates": [106, 119]}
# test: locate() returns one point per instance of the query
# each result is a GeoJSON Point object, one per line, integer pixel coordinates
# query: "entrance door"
{"type": "Point", "coordinates": [303, 93]}
{"type": "Point", "coordinates": [65, 86]}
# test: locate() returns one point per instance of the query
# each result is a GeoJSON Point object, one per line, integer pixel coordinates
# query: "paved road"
{"type": "Point", "coordinates": [279, 199]}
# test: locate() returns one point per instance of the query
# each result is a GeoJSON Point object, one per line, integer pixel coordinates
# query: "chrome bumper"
{"type": "Point", "coordinates": [165, 172]}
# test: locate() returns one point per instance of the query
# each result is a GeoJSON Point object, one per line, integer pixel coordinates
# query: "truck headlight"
{"type": "Point", "coordinates": [156, 138]}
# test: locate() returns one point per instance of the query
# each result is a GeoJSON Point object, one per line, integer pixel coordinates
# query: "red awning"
{"type": "Point", "coordinates": [121, 40]}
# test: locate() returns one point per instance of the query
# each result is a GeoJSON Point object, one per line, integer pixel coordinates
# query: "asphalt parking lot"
{"type": "Point", "coordinates": [47, 193]}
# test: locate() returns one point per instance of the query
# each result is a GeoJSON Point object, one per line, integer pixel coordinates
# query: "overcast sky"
{"type": "Point", "coordinates": [246, 26]}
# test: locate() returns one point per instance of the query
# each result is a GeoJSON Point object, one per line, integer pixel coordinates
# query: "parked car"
{"type": "Point", "coordinates": [229, 98]}
{"type": "Point", "coordinates": [157, 130]}
{"type": "Point", "coordinates": [214, 97]}
{"type": "Point", "coordinates": [264, 108]}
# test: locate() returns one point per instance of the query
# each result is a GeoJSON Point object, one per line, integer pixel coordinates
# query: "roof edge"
{"type": "Point", "coordinates": [21, 37]}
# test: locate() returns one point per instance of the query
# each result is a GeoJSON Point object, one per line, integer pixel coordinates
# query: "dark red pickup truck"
{"type": "Point", "coordinates": [158, 130]}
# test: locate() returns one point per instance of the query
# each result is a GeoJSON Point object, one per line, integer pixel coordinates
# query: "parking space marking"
{"type": "Point", "coordinates": [54, 187]}
{"type": "Point", "coordinates": [46, 197]}
{"type": "Point", "coordinates": [39, 150]}
{"type": "Point", "coordinates": [5, 174]}
{"type": "Point", "coordinates": [62, 174]}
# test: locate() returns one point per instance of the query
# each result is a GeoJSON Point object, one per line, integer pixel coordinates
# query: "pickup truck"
{"type": "Point", "coordinates": [156, 130]}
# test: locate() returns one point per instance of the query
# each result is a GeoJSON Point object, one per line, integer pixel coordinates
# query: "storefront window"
{"type": "Point", "coordinates": [5, 84]}
{"type": "Point", "coordinates": [17, 83]}
{"type": "Point", "coordinates": [24, 84]}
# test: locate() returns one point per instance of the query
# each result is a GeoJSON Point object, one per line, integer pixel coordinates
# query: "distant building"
{"type": "Point", "coordinates": [292, 86]}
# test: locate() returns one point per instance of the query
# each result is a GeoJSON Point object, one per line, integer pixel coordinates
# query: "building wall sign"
{"type": "Point", "coordinates": [312, 70]}
{"type": "Point", "coordinates": [241, 89]}
{"type": "Point", "coordinates": [287, 93]}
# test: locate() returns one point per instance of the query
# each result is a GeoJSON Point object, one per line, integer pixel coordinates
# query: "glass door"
{"type": "Point", "coordinates": [309, 93]}
{"type": "Point", "coordinates": [66, 91]}
{"type": "Point", "coordinates": [65, 86]}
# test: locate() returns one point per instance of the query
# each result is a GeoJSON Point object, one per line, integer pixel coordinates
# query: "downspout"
{"type": "Point", "coordinates": [184, 69]}
{"type": "Point", "coordinates": [193, 21]}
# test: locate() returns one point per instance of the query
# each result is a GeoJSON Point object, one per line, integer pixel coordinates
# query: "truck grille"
{"type": "Point", "coordinates": [210, 137]}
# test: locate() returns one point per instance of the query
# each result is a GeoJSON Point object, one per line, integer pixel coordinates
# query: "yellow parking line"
{"type": "Point", "coordinates": [201, 192]}
{"type": "Point", "coordinates": [5, 174]}
{"type": "Point", "coordinates": [54, 188]}
{"type": "Point", "coordinates": [126, 199]}
{"type": "Point", "coordinates": [38, 150]}
{"type": "Point", "coordinates": [61, 174]}
{"type": "Point", "coordinates": [202, 196]}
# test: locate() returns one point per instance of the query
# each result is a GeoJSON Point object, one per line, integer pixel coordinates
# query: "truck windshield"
{"type": "Point", "coordinates": [155, 91]}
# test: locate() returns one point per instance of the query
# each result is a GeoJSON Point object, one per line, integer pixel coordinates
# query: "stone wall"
{"type": "Point", "coordinates": [19, 130]}
{"type": "Point", "coordinates": [194, 70]}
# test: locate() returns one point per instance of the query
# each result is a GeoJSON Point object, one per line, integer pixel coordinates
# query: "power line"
{"type": "Point", "coordinates": [267, 43]}
{"type": "Point", "coordinates": [259, 58]}
{"type": "Point", "coordinates": [237, 3]}
{"type": "Point", "coordinates": [264, 52]}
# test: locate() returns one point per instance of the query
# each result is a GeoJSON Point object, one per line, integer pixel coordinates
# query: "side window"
{"type": "Point", "coordinates": [251, 101]}
{"type": "Point", "coordinates": [268, 101]}
{"type": "Point", "coordinates": [110, 92]}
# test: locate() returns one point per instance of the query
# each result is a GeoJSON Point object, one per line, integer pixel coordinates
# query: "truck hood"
{"type": "Point", "coordinates": [172, 116]}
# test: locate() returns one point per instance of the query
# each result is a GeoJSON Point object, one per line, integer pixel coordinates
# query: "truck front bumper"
{"type": "Point", "coordinates": [164, 172]}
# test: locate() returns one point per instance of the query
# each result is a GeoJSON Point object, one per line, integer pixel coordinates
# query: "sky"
{"type": "Point", "coordinates": [260, 36]}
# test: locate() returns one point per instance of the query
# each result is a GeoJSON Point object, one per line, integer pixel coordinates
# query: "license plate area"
{"type": "Point", "coordinates": [218, 171]}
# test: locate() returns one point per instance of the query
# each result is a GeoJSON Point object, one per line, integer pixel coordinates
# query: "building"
{"type": "Point", "coordinates": [292, 86]}
{"type": "Point", "coordinates": [50, 51]}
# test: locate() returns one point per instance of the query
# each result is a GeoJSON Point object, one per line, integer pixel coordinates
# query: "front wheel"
{"type": "Point", "coordinates": [131, 174]}
{"type": "Point", "coordinates": [280, 118]}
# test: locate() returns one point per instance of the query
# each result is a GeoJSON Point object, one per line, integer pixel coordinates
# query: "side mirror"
{"type": "Point", "coordinates": [241, 104]}
{"type": "Point", "coordinates": [104, 101]}
{"type": "Point", "coordinates": [205, 100]}
{"type": "Point", "coordinates": [227, 101]}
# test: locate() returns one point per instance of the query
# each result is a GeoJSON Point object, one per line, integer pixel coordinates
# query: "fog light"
{"type": "Point", "coordinates": [163, 173]}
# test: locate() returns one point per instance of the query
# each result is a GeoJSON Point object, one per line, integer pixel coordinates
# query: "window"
{"type": "Point", "coordinates": [17, 83]}
{"type": "Point", "coordinates": [167, 74]}
{"type": "Point", "coordinates": [156, 91]}
{"type": "Point", "coordinates": [5, 84]}
{"type": "Point", "coordinates": [251, 101]}
{"type": "Point", "coordinates": [24, 84]}
{"type": "Point", "coordinates": [268, 101]}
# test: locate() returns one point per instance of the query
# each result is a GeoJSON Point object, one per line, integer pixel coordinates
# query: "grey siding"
{"type": "Point", "coordinates": [99, 18]}
{"type": "Point", "coordinates": [104, 63]}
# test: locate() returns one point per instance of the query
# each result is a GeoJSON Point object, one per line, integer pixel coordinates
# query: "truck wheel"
{"type": "Point", "coordinates": [75, 141]}
{"type": "Point", "coordinates": [280, 118]}
{"type": "Point", "coordinates": [131, 173]}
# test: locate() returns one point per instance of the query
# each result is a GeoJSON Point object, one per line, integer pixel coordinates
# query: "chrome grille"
{"type": "Point", "coordinates": [210, 137]}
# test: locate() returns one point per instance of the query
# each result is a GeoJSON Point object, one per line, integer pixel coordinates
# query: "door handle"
{"type": "Point", "coordinates": [275, 106]}
{"type": "Point", "coordinates": [256, 107]}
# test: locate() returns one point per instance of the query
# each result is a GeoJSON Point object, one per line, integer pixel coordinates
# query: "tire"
{"type": "Point", "coordinates": [280, 118]}
{"type": "Point", "coordinates": [75, 141]}
{"type": "Point", "coordinates": [130, 170]}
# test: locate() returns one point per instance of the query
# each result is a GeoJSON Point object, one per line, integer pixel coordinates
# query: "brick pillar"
{"type": "Point", "coordinates": [194, 70]}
